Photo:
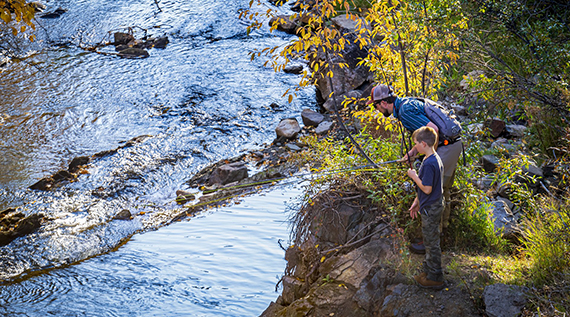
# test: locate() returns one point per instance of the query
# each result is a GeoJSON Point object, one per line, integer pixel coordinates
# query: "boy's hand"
{"type": "Point", "coordinates": [412, 173]}
{"type": "Point", "coordinates": [414, 209]}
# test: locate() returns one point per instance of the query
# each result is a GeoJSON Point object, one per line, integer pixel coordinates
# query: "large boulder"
{"type": "Point", "coordinates": [311, 118]}
{"type": "Point", "coordinates": [288, 128]}
{"type": "Point", "coordinates": [504, 300]}
{"type": "Point", "coordinates": [228, 173]}
{"type": "Point", "coordinates": [338, 101]}
{"type": "Point", "coordinates": [353, 267]}
{"type": "Point", "coordinates": [123, 38]}
{"type": "Point", "coordinates": [345, 79]}
{"type": "Point", "coordinates": [504, 220]}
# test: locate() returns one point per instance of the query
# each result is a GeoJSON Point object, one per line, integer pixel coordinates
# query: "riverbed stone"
{"type": "Point", "coordinates": [324, 127]}
{"type": "Point", "coordinates": [77, 162]}
{"type": "Point", "coordinates": [124, 214]}
{"type": "Point", "coordinates": [133, 52]}
{"type": "Point", "coordinates": [54, 14]}
{"type": "Point", "coordinates": [293, 69]}
{"type": "Point", "coordinates": [293, 147]}
{"type": "Point", "coordinates": [288, 128]}
{"type": "Point", "coordinates": [183, 196]}
{"type": "Point", "coordinates": [228, 173]}
{"type": "Point", "coordinates": [123, 38]}
{"type": "Point", "coordinates": [15, 224]}
{"type": "Point", "coordinates": [311, 118]}
{"type": "Point", "coordinates": [503, 300]}
{"type": "Point", "coordinates": [160, 42]}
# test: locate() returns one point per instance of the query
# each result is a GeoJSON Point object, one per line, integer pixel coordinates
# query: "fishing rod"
{"type": "Point", "coordinates": [367, 167]}
{"type": "Point", "coordinates": [320, 173]}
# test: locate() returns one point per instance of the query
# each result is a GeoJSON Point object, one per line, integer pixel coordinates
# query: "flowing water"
{"type": "Point", "coordinates": [199, 100]}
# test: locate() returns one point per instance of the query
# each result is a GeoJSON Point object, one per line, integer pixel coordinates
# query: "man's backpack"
{"type": "Point", "coordinates": [445, 120]}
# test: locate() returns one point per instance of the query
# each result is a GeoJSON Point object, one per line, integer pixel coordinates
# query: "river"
{"type": "Point", "coordinates": [199, 100]}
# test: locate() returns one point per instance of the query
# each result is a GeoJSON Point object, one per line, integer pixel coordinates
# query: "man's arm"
{"type": "Point", "coordinates": [413, 152]}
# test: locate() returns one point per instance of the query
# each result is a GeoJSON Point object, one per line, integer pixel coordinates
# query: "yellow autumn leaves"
{"type": "Point", "coordinates": [17, 15]}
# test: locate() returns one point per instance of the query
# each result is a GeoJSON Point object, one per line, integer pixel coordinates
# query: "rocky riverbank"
{"type": "Point", "coordinates": [344, 261]}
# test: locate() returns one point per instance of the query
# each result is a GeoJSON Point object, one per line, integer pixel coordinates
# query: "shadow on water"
{"type": "Point", "coordinates": [200, 99]}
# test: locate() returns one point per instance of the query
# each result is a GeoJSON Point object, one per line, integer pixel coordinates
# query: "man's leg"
{"type": "Point", "coordinates": [447, 184]}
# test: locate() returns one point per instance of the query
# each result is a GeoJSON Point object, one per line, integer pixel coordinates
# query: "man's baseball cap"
{"type": "Point", "coordinates": [379, 92]}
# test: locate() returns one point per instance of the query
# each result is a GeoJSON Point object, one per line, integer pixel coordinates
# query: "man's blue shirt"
{"type": "Point", "coordinates": [411, 113]}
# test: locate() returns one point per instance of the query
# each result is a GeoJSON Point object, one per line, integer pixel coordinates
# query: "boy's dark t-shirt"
{"type": "Point", "coordinates": [431, 174]}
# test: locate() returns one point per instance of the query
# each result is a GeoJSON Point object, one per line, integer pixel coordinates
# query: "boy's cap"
{"type": "Point", "coordinates": [379, 92]}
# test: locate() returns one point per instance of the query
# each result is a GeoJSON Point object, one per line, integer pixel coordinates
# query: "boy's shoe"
{"type": "Point", "coordinates": [418, 247]}
{"type": "Point", "coordinates": [424, 282]}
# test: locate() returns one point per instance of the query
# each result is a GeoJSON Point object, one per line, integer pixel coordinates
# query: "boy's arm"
{"type": "Point", "coordinates": [413, 175]}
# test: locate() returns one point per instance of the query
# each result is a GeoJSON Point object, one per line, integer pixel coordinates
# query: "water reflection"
{"type": "Point", "coordinates": [225, 262]}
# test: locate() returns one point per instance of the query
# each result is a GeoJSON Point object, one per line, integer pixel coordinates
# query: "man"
{"type": "Point", "coordinates": [410, 112]}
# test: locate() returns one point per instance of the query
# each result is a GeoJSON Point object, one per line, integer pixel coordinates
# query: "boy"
{"type": "Point", "coordinates": [429, 204]}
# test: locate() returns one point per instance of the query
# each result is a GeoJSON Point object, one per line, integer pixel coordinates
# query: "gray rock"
{"type": "Point", "coordinates": [353, 267]}
{"type": "Point", "coordinates": [504, 220]}
{"type": "Point", "coordinates": [347, 78]}
{"type": "Point", "coordinates": [123, 38]}
{"type": "Point", "coordinates": [311, 118]}
{"type": "Point", "coordinates": [293, 69]}
{"type": "Point", "coordinates": [459, 110]}
{"type": "Point", "coordinates": [484, 183]}
{"type": "Point", "coordinates": [496, 126]}
{"type": "Point", "coordinates": [324, 127]}
{"type": "Point", "coordinates": [228, 173]}
{"type": "Point", "coordinates": [474, 128]}
{"type": "Point", "coordinates": [504, 144]}
{"type": "Point", "coordinates": [330, 103]}
{"type": "Point", "coordinates": [292, 147]}
{"type": "Point", "coordinates": [504, 300]}
{"type": "Point", "coordinates": [345, 24]}
{"type": "Point", "coordinates": [284, 24]}
{"type": "Point", "coordinates": [288, 128]}
{"type": "Point", "coordinates": [133, 52]}
{"type": "Point", "coordinates": [509, 203]}
{"type": "Point", "coordinates": [292, 288]}
{"type": "Point", "coordinates": [15, 224]}
{"type": "Point", "coordinates": [183, 196]}
{"type": "Point", "coordinates": [489, 163]}
{"type": "Point", "coordinates": [516, 130]}
{"type": "Point", "coordinates": [124, 214]}
{"type": "Point", "coordinates": [160, 42]}
{"type": "Point", "coordinates": [532, 170]}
